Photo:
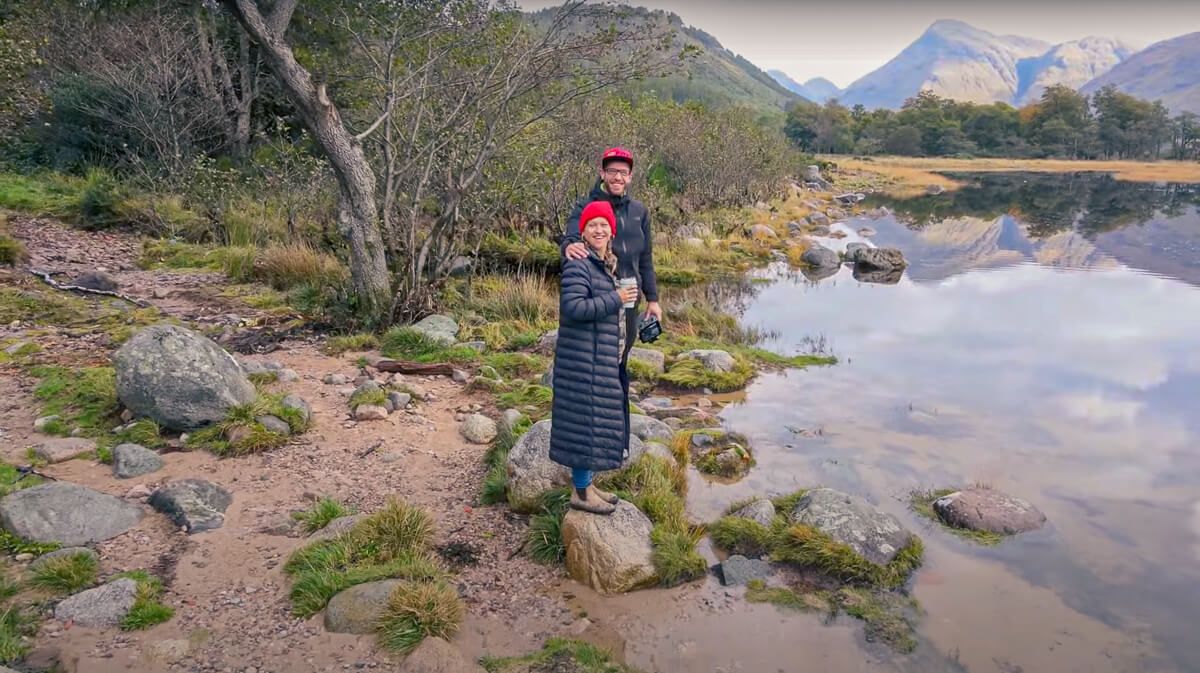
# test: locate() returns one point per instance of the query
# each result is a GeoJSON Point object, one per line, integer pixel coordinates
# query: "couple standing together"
{"type": "Point", "coordinates": [607, 262]}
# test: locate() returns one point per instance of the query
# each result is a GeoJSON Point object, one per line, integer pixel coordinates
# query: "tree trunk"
{"type": "Point", "coordinates": [358, 218]}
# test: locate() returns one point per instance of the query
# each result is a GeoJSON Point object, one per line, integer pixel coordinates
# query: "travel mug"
{"type": "Point", "coordinates": [628, 282]}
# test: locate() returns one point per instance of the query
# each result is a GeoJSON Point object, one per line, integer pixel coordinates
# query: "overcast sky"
{"type": "Point", "coordinates": [845, 40]}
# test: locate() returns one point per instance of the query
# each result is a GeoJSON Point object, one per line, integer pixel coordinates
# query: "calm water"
{"type": "Point", "coordinates": [1045, 341]}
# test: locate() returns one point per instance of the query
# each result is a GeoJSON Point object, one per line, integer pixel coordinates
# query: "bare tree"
{"type": "Point", "coordinates": [358, 219]}
{"type": "Point", "coordinates": [228, 87]}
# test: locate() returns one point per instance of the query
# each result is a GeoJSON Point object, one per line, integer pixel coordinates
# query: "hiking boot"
{"type": "Point", "coordinates": [590, 502]}
{"type": "Point", "coordinates": [611, 498]}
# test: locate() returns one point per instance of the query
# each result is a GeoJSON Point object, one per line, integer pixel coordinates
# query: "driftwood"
{"type": "Point", "coordinates": [45, 276]}
{"type": "Point", "coordinates": [420, 368]}
{"type": "Point", "coordinates": [371, 449]}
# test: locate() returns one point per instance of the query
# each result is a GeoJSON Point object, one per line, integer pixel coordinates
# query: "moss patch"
{"type": "Point", "coordinates": [692, 375]}
{"type": "Point", "coordinates": [921, 502]}
{"type": "Point", "coordinates": [84, 398]}
{"type": "Point", "coordinates": [887, 617]}
{"type": "Point", "coordinates": [558, 656]}
{"type": "Point", "coordinates": [249, 436]}
{"type": "Point", "coordinates": [405, 343]}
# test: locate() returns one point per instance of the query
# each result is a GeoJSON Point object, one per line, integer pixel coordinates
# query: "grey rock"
{"type": "Point", "coordinates": [252, 367]}
{"type": "Point", "coordinates": [853, 250]}
{"type": "Point", "coordinates": [273, 365]}
{"type": "Point", "coordinates": [63, 553]}
{"type": "Point", "coordinates": [195, 504]}
{"type": "Point", "coordinates": [459, 376]}
{"type": "Point", "coordinates": [439, 328]}
{"type": "Point", "coordinates": [367, 386]}
{"type": "Point", "coordinates": [674, 423]}
{"type": "Point", "coordinates": [336, 379]}
{"type": "Point", "coordinates": [478, 429]}
{"type": "Point", "coordinates": [821, 257]}
{"type": "Point", "coordinates": [660, 450]}
{"type": "Point", "coordinates": [648, 429]}
{"type": "Point", "coordinates": [693, 242]}
{"type": "Point", "coordinates": [97, 280]}
{"type": "Point", "coordinates": [287, 375]}
{"type": "Point", "coordinates": [61, 449]}
{"type": "Point", "coordinates": [836, 213]}
{"type": "Point", "coordinates": [15, 348]}
{"type": "Point", "coordinates": [477, 346]}
{"type": "Point", "coordinates": [461, 266]}
{"type": "Point", "coordinates": [531, 472]}
{"type": "Point", "coordinates": [761, 510]}
{"type": "Point", "coordinates": [358, 609]}
{"type": "Point", "coordinates": [763, 231]}
{"type": "Point", "coordinates": [133, 460]}
{"type": "Point", "coordinates": [170, 651]}
{"type": "Point", "coordinates": [509, 418]}
{"type": "Point", "coordinates": [866, 232]}
{"type": "Point", "coordinates": [370, 412]}
{"type": "Point", "coordinates": [883, 259]}
{"type": "Point", "coordinates": [818, 218]}
{"type": "Point", "coordinates": [610, 553]}
{"type": "Point", "coordinates": [795, 228]}
{"type": "Point", "coordinates": [298, 404]}
{"type": "Point", "coordinates": [713, 360]}
{"type": "Point", "coordinates": [703, 440]}
{"type": "Point", "coordinates": [984, 509]}
{"type": "Point", "coordinates": [435, 655]}
{"type": "Point", "coordinates": [399, 400]}
{"type": "Point", "coordinates": [934, 189]}
{"type": "Point", "coordinates": [656, 403]}
{"type": "Point", "coordinates": [336, 528]}
{"type": "Point", "coordinates": [179, 378]}
{"type": "Point", "coordinates": [849, 199]}
{"type": "Point", "coordinates": [880, 276]}
{"type": "Point", "coordinates": [737, 570]}
{"type": "Point", "coordinates": [548, 378]}
{"type": "Point", "coordinates": [67, 513]}
{"type": "Point", "coordinates": [547, 342]}
{"type": "Point", "coordinates": [821, 230]}
{"type": "Point", "coordinates": [99, 608]}
{"type": "Point", "coordinates": [275, 424]}
{"type": "Point", "coordinates": [41, 423]}
{"type": "Point", "coordinates": [651, 357]}
{"type": "Point", "coordinates": [854, 522]}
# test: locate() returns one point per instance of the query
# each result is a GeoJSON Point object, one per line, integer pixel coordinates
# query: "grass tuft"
{"type": "Point", "coordinates": [808, 547]}
{"type": "Point", "coordinates": [147, 609]}
{"type": "Point", "coordinates": [66, 574]}
{"type": "Point", "coordinates": [288, 266]}
{"type": "Point", "coordinates": [417, 610]}
{"type": "Point", "coordinates": [886, 616]}
{"type": "Point", "coordinates": [742, 536]}
{"type": "Point", "coordinates": [337, 345]}
{"type": "Point", "coordinates": [16, 629]}
{"type": "Point", "coordinates": [675, 557]}
{"type": "Point", "coordinates": [320, 514]}
{"type": "Point", "coordinates": [405, 343]}
{"type": "Point", "coordinates": [83, 398]}
{"type": "Point", "coordinates": [545, 541]}
{"type": "Point", "coordinates": [374, 396]}
{"type": "Point", "coordinates": [692, 375]}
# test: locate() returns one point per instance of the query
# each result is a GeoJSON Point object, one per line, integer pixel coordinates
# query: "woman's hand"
{"type": "Point", "coordinates": [627, 294]}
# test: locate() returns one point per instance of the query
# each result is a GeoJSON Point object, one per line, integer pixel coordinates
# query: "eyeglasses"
{"type": "Point", "coordinates": [617, 172]}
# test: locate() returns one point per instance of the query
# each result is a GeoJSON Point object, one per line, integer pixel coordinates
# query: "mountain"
{"type": "Point", "coordinates": [1071, 63]}
{"type": "Point", "coordinates": [1168, 71]}
{"type": "Point", "coordinates": [817, 89]}
{"type": "Point", "coordinates": [711, 74]}
{"type": "Point", "coordinates": [953, 59]}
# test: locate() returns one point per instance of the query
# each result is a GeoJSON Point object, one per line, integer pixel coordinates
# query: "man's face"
{"type": "Point", "coordinates": [616, 176]}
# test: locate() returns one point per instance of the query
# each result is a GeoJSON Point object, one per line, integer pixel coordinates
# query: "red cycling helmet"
{"type": "Point", "coordinates": [616, 154]}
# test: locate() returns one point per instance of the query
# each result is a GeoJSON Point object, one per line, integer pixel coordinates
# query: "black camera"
{"type": "Point", "coordinates": [649, 329]}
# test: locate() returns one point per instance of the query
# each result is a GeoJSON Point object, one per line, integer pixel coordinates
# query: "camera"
{"type": "Point", "coordinates": [649, 329]}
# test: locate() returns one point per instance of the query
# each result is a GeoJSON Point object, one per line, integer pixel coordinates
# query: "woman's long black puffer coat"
{"type": "Point", "coordinates": [590, 416]}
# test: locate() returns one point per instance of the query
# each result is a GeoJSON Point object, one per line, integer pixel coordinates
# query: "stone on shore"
{"type": "Point", "coordinates": [531, 472]}
{"type": "Point", "coordinates": [62, 449]}
{"type": "Point", "coordinates": [478, 429]}
{"type": "Point", "coordinates": [655, 359]}
{"type": "Point", "coordinates": [761, 511]}
{"type": "Point", "coordinates": [987, 510]}
{"type": "Point", "coordinates": [875, 535]}
{"type": "Point", "coordinates": [134, 460]}
{"type": "Point", "coordinates": [713, 360]}
{"type": "Point", "coordinates": [611, 554]}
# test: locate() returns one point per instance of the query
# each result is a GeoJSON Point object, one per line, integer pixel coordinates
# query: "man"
{"type": "Point", "coordinates": [633, 244]}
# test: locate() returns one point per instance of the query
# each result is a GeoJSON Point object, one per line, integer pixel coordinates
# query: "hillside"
{"type": "Point", "coordinates": [1072, 64]}
{"type": "Point", "coordinates": [953, 59]}
{"type": "Point", "coordinates": [1168, 71]}
{"type": "Point", "coordinates": [817, 89]}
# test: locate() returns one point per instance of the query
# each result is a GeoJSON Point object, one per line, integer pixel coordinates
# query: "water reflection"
{"type": "Point", "coordinates": [1057, 363]}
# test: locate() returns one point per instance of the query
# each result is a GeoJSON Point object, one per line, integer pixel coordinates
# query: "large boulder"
{"type": "Point", "coordinates": [820, 257]}
{"type": "Point", "coordinates": [99, 608]}
{"type": "Point", "coordinates": [983, 509]}
{"type": "Point", "coordinates": [647, 428]}
{"type": "Point", "coordinates": [133, 460]}
{"type": "Point", "coordinates": [713, 360]}
{"type": "Point", "coordinates": [531, 472]}
{"type": "Point", "coordinates": [195, 504]}
{"type": "Point", "coordinates": [179, 378]}
{"type": "Point", "coordinates": [854, 522]}
{"type": "Point", "coordinates": [761, 511]}
{"type": "Point", "coordinates": [478, 429]}
{"type": "Point", "coordinates": [655, 359]}
{"type": "Point", "coordinates": [883, 259]}
{"type": "Point", "coordinates": [440, 328]}
{"type": "Point", "coordinates": [68, 514]}
{"type": "Point", "coordinates": [435, 655]}
{"type": "Point", "coordinates": [610, 553]}
{"type": "Point", "coordinates": [358, 609]}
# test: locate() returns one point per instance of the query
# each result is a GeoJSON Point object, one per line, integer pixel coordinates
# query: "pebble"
{"type": "Point", "coordinates": [23, 557]}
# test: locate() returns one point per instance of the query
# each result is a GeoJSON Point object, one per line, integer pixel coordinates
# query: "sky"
{"type": "Point", "coordinates": [845, 40]}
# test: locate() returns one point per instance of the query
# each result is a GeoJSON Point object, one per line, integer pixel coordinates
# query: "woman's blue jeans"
{"type": "Point", "coordinates": [581, 478]}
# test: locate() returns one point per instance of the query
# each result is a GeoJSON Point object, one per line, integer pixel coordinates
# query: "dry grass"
{"type": "Point", "coordinates": [909, 176]}
{"type": "Point", "coordinates": [288, 266]}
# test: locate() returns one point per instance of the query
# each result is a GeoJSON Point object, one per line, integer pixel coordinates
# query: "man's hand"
{"type": "Point", "coordinates": [654, 309]}
{"type": "Point", "coordinates": [577, 251]}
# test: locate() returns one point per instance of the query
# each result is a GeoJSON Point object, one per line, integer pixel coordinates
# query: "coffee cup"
{"type": "Point", "coordinates": [628, 282]}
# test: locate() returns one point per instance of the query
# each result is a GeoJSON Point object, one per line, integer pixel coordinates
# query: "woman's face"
{"type": "Point", "coordinates": [597, 233]}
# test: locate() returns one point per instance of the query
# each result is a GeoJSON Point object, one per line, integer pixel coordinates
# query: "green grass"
{"type": "Point", "coordinates": [808, 547]}
{"type": "Point", "coordinates": [374, 396]}
{"type": "Point", "coordinates": [742, 536]}
{"type": "Point", "coordinates": [336, 345]}
{"type": "Point", "coordinates": [531, 252]}
{"type": "Point", "coordinates": [15, 627]}
{"type": "Point", "coordinates": [404, 343]}
{"type": "Point", "coordinates": [558, 656]}
{"type": "Point", "coordinates": [417, 610]}
{"type": "Point", "coordinates": [143, 432]}
{"type": "Point", "coordinates": [921, 502]}
{"type": "Point", "coordinates": [643, 371]}
{"type": "Point", "coordinates": [83, 398]}
{"type": "Point", "coordinates": [517, 365]}
{"type": "Point", "coordinates": [66, 574]}
{"type": "Point", "coordinates": [545, 543]}
{"type": "Point", "coordinates": [758, 592]}
{"type": "Point", "coordinates": [532, 399]}
{"type": "Point", "coordinates": [391, 543]}
{"type": "Point", "coordinates": [675, 557]}
{"type": "Point", "coordinates": [44, 194]}
{"type": "Point", "coordinates": [692, 375]}
{"type": "Point", "coordinates": [215, 437]}
{"type": "Point", "coordinates": [321, 513]}
{"type": "Point", "coordinates": [495, 484]}
{"type": "Point", "coordinates": [147, 609]}
{"type": "Point", "coordinates": [263, 378]}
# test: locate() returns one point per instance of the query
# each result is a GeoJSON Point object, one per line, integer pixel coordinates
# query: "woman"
{"type": "Point", "coordinates": [590, 431]}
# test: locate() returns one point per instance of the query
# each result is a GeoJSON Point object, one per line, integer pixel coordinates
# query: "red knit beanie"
{"type": "Point", "coordinates": [598, 209]}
